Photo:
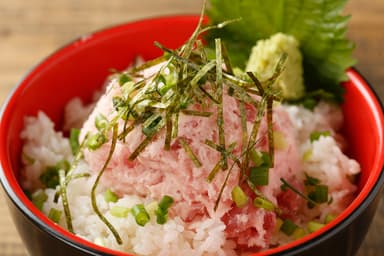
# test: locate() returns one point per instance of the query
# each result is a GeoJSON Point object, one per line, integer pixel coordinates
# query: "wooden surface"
{"type": "Point", "coordinates": [30, 30]}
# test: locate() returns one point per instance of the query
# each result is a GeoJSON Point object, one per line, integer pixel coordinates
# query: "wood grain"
{"type": "Point", "coordinates": [30, 30]}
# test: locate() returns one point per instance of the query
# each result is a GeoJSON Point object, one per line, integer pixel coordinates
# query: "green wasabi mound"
{"type": "Point", "coordinates": [264, 57]}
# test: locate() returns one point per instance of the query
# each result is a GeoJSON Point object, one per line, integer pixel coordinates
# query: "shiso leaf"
{"type": "Point", "coordinates": [318, 25]}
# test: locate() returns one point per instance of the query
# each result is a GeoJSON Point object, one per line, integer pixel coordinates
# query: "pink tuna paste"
{"type": "Point", "coordinates": [157, 172]}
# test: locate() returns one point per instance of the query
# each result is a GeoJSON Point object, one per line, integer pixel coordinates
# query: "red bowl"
{"type": "Point", "coordinates": [80, 68]}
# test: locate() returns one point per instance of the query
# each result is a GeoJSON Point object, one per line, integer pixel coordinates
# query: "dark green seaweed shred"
{"type": "Point", "coordinates": [190, 153]}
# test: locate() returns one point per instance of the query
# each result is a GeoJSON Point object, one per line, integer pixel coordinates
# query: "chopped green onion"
{"type": "Point", "coordinates": [329, 218]}
{"type": "Point", "coordinates": [267, 161]}
{"type": "Point", "coordinates": [256, 157]}
{"type": "Point", "coordinates": [239, 197]}
{"type": "Point", "coordinates": [288, 227]}
{"type": "Point", "coordinates": [63, 165]}
{"type": "Point", "coordinates": [151, 125]}
{"type": "Point", "coordinates": [164, 89]}
{"type": "Point", "coordinates": [118, 102]}
{"type": "Point", "coordinates": [152, 207]}
{"type": "Point", "coordinates": [50, 177]}
{"type": "Point", "coordinates": [141, 215]}
{"type": "Point", "coordinates": [119, 211]}
{"type": "Point", "coordinates": [260, 202]}
{"type": "Point", "coordinates": [54, 215]}
{"type": "Point", "coordinates": [162, 211]}
{"type": "Point", "coordinates": [110, 196]}
{"type": "Point", "coordinates": [161, 216]}
{"type": "Point", "coordinates": [96, 141]}
{"type": "Point", "coordinates": [260, 158]}
{"type": "Point", "coordinates": [299, 233]}
{"type": "Point", "coordinates": [316, 135]}
{"type": "Point", "coordinates": [123, 79]}
{"type": "Point", "coordinates": [74, 141]}
{"type": "Point", "coordinates": [314, 226]}
{"type": "Point", "coordinates": [166, 202]}
{"type": "Point", "coordinates": [259, 176]}
{"type": "Point", "coordinates": [320, 194]}
{"type": "Point", "coordinates": [39, 198]}
{"type": "Point", "coordinates": [160, 79]}
{"type": "Point", "coordinates": [311, 181]}
{"type": "Point", "coordinates": [101, 122]}
{"type": "Point", "coordinates": [309, 103]}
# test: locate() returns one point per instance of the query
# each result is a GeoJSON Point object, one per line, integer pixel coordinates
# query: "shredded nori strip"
{"type": "Point", "coordinates": [93, 191]}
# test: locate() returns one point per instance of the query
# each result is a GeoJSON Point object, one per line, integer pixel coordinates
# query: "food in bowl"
{"type": "Point", "coordinates": [166, 193]}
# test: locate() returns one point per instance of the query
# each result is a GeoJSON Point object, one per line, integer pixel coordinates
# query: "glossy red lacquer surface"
{"type": "Point", "coordinates": [81, 67]}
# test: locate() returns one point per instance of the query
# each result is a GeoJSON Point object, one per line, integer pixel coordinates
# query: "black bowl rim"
{"type": "Point", "coordinates": [376, 189]}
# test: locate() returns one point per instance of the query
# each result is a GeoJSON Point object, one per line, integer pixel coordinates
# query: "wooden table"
{"type": "Point", "coordinates": [30, 30]}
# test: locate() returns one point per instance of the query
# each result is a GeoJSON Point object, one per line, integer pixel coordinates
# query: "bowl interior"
{"type": "Point", "coordinates": [81, 68]}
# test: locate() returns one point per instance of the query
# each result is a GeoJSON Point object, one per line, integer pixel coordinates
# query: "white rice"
{"type": "Point", "coordinates": [43, 147]}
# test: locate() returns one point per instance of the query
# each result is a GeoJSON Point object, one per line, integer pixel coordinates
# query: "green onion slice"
{"type": "Point", "coordinates": [63, 165]}
{"type": "Point", "coordinates": [119, 211]}
{"type": "Point", "coordinates": [239, 197]}
{"type": "Point", "coordinates": [110, 196]}
{"type": "Point", "coordinates": [54, 215]}
{"type": "Point", "coordinates": [299, 233]}
{"type": "Point", "coordinates": [166, 202]}
{"type": "Point", "coordinates": [101, 122]}
{"type": "Point", "coordinates": [124, 78]}
{"type": "Point", "coordinates": [329, 218]}
{"type": "Point", "coordinates": [311, 181]}
{"type": "Point", "coordinates": [317, 134]}
{"type": "Point", "coordinates": [50, 177]}
{"type": "Point", "coordinates": [263, 203]}
{"type": "Point", "coordinates": [141, 215]}
{"type": "Point", "coordinates": [95, 141]}
{"type": "Point", "coordinates": [259, 176]}
{"type": "Point", "coordinates": [320, 194]}
{"type": "Point", "coordinates": [288, 227]}
{"type": "Point", "coordinates": [314, 226]}
{"type": "Point", "coordinates": [162, 210]}
{"type": "Point", "coordinates": [39, 198]}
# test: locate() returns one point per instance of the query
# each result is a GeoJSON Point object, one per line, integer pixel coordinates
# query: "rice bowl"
{"type": "Point", "coordinates": [128, 203]}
